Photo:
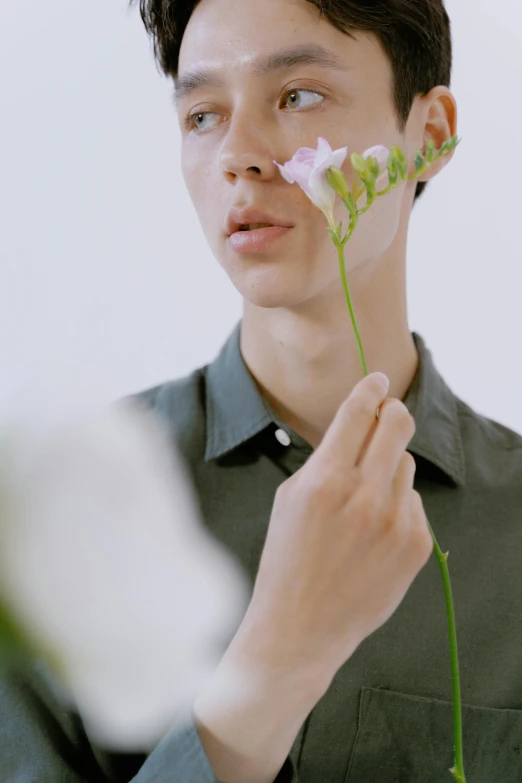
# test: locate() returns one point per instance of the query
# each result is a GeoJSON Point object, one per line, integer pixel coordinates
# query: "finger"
{"type": "Point", "coordinates": [367, 440]}
{"type": "Point", "coordinates": [419, 525]}
{"type": "Point", "coordinates": [353, 421]}
{"type": "Point", "coordinates": [401, 489]}
{"type": "Point", "coordinates": [370, 434]}
{"type": "Point", "coordinates": [393, 433]}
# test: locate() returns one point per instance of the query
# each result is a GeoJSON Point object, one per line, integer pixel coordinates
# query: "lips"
{"type": "Point", "coordinates": [258, 240]}
{"type": "Point", "coordinates": [240, 219]}
{"type": "Point", "coordinates": [254, 226]}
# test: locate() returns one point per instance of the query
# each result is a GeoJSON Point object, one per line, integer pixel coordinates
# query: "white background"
{"type": "Point", "coordinates": [106, 283]}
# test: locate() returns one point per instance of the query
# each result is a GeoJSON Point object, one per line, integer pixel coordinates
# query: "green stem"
{"type": "Point", "coordinates": [340, 251]}
{"type": "Point", "coordinates": [458, 770]}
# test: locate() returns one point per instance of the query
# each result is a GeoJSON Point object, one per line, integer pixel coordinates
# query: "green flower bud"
{"type": "Point", "coordinates": [394, 165]}
{"type": "Point", "coordinates": [402, 163]}
{"type": "Point", "coordinates": [453, 142]}
{"type": "Point", "coordinates": [337, 180]}
{"type": "Point", "coordinates": [359, 164]}
{"type": "Point", "coordinates": [393, 175]}
{"type": "Point", "coordinates": [419, 160]}
{"type": "Point", "coordinates": [430, 151]}
{"type": "Point", "coordinates": [373, 167]}
{"type": "Point", "coordinates": [392, 168]}
{"type": "Point", "coordinates": [449, 145]}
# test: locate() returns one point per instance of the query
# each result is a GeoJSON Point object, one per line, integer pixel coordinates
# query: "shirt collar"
{"type": "Point", "coordinates": [236, 410]}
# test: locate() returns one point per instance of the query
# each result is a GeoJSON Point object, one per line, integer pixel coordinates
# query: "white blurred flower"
{"type": "Point", "coordinates": [106, 565]}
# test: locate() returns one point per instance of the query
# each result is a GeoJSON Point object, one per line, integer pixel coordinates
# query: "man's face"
{"type": "Point", "coordinates": [244, 120]}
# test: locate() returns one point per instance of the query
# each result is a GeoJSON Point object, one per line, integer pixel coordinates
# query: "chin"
{"type": "Point", "coordinates": [268, 298]}
{"type": "Point", "coordinates": [279, 280]}
{"type": "Point", "coordinates": [269, 290]}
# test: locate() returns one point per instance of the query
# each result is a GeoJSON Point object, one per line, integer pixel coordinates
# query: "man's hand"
{"type": "Point", "coordinates": [347, 537]}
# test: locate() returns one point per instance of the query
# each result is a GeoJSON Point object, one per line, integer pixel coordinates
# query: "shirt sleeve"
{"type": "Point", "coordinates": [181, 758]}
{"type": "Point", "coordinates": [43, 741]}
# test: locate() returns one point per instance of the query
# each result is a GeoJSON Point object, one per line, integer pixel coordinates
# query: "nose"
{"type": "Point", "coordinates": [247, 151]}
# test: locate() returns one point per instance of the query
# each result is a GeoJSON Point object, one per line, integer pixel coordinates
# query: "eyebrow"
{"type": "Point", "coordinates": [262, 65]}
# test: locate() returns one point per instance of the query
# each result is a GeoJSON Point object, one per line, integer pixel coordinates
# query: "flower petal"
{"type": "Point", "coordinates": [339, 156]}
{"type": "Point", "coordinates": [378, 151]}
{"type": "Point", "coordinates": [285, 172]}
{"type": "Point", "coordinates": [324, 152]}
{"type": "Point", "coordinates": [305, 155]}
{"type": "Point", "coordinates": [300, 173]}
{"type": "Point", "coordinates": [323, 195]}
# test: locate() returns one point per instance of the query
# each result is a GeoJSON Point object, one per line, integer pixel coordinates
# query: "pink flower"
{"type": "Point", "coordinates": [308, 168]}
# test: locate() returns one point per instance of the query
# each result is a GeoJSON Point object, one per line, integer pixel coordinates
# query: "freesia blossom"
{"type": "Point", "coordinates": [105, 564]}
{"type": "Point", "coordinates": [308, 168]}
{"type": "Point", "coordinates": [372, 178]}
{"type": "Point", "coordinates": [381, 153]}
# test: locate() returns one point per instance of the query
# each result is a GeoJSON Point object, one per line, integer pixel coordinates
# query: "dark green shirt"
{"type": "Point", "coordinates": [388, 714]}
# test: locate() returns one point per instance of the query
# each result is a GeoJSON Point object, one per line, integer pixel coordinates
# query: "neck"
{"type": "Point", "coordinates": [305, 360]}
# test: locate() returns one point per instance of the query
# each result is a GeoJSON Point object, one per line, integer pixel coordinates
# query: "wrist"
{"type": "Point", "coordinates": [281, 659]}
{"type": "Point", "coordinates": [250, 713]}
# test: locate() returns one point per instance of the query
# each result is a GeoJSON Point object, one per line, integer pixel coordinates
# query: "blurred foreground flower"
{"type": "Point", "coordinates": [107, 570]}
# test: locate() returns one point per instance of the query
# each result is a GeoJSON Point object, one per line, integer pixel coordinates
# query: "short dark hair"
{"type": "Point", "coordinates": [415, 35]}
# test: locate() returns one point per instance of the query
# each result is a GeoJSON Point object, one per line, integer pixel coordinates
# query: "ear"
{"type": "Point", "coordinates": [439, 112]}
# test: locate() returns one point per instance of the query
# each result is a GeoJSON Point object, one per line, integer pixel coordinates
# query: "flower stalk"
{"type": "Point", "coordinates": [369, 170]}
{"type": "Point", "coordinates": [458, 770]}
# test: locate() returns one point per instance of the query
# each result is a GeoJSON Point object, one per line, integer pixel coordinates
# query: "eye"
{"type": "Point", "coordinates": [193, 120]}
{"type": "Point", "coordinates": [296, 102]}
{"type": "Point", "coordinates": [202, 120]}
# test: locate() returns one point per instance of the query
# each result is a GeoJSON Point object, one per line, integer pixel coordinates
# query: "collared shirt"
{"type": "Point", "coordinates": [387, 716]}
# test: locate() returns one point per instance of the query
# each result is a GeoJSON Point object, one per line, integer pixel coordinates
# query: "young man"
{"type": "Point", "coordinates": [340, 669]}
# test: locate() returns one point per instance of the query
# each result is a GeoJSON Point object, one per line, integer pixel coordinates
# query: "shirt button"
{"type": "Point", "coordinates": [283, 437]}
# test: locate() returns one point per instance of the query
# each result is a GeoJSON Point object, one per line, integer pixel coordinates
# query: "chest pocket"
{"type": "Point", "coordinates": [409, 739]}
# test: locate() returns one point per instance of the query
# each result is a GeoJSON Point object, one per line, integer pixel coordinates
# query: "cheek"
{"type": "Point", "coordinates": [384, 217]}
{"type": "Point", "coordinates": [192, 179]}
{"type": "Point", "coordinates": [197, 185]}
{"type": "Point", "coordinates": [378, 226]}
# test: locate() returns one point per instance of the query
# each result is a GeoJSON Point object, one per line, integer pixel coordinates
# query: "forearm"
{"type": "Point", "coordinates": [249, 716]}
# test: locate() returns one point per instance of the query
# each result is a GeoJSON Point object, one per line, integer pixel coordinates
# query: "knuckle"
{"type": "Point", "coordinates": [389, 520]}
{"type": "Point", "coordinates": [320, 484]}
{"type": "Point", "coordinates": [366, 505]}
